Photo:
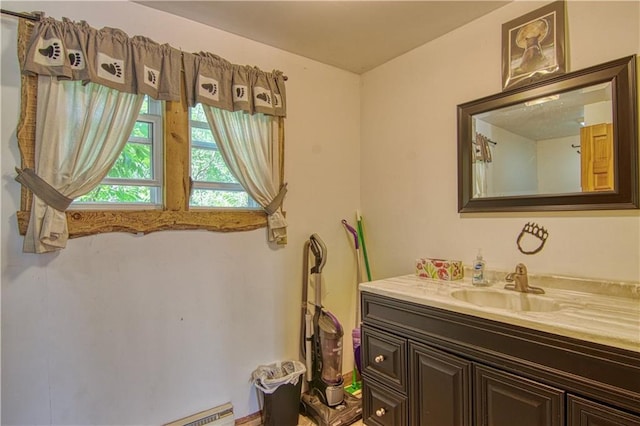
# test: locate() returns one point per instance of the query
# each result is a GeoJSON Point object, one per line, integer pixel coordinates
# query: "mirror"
{"type": "Point", "coordinates": [567, 143]}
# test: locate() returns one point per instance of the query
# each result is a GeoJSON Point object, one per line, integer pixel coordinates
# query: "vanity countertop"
{"type": "Point", "coordinates": [594, 316]}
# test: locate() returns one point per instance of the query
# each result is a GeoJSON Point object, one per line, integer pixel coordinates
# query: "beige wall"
{"type": "Point", "coordinates": [409, 178]}
{"type": "Point", "coordinates": [121, 329]}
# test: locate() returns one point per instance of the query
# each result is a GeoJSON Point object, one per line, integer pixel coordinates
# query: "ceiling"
{"type": "Point", "coordinates": [551, 117]}
{"type": "Point", "coordinates": [356, 36]}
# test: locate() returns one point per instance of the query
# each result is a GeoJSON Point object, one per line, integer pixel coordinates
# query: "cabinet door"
{"type": "Point", "coordinates": [503, 399]}
{"type": "Point", "coordinates": [440, 388]}
{"type": "Point", "coordinates": [582, 412]}
{"type": "Point", "coordinates": [382, 406]}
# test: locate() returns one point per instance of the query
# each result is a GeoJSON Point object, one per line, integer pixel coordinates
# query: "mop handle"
{"type": "Point", "coordinates": [364, 247]}
{"type": "Point", "coordinates": [352, 231]}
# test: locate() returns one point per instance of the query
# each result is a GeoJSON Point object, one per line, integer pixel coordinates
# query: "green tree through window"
{"type": "Point", "coordinates": [134, 178]}
{"type": "Point", "coordinates": [213, 183]}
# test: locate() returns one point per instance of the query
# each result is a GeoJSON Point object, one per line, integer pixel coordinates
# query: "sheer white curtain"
{"type": "Point", "coordinates": [80, 132]}
{"type": "Point", "coordinates": [482, 158]}
{"type": "Point", "coordinates": [247, 144]}
{"type": "Point", "coordinates": [480, 179]}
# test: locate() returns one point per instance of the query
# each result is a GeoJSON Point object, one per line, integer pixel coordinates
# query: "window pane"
{"type": "Point", "coordinates": [117, 194]}
{"type": "Point", "coordinates": [210, 174]}
{"type": "Point", "coordinates": [197, 114]}
{"type": "Point", "coordinates": [207, 165]}
{"type": "Point", "coordinates": [141, 129]}
{"type": "Point", "coordinates": [134, 162]}
{"type": "Point", "coordinates": [136, 176]}
{"type": "Point", "coordinates": [144, 109]}
{"type": "Point", "coordinates": [217, 198]}
{"type": "Point", "coordinates": [198, 134]}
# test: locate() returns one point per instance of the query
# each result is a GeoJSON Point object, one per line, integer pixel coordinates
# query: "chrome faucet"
{"type": "Point", "coordinates": [519, 281]}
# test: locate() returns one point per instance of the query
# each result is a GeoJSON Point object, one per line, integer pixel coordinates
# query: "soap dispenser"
{"type": "Point", "coordinates": [478, 270]}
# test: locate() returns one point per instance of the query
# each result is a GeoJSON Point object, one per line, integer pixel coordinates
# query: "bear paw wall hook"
{"type": "Point", "coordinates": [532, 238]}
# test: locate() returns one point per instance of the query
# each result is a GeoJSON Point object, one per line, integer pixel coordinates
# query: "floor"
{"type": "Point", "coordinates": [303, 421]}
{"type": "Point", "coordinates": [256, 420]}
{"type": "Point", "coordinates": [306, 421]}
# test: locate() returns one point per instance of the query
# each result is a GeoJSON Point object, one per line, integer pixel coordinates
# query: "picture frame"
{"type": "Point", "coordinates": [534, 46]}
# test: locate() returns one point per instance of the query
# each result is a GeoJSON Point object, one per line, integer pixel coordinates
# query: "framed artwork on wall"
{"type": "Point", "coordinates": [534, 46]}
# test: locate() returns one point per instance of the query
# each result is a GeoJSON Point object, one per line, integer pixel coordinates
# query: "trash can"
{"type": "Point", "coordinates": [279, 385]}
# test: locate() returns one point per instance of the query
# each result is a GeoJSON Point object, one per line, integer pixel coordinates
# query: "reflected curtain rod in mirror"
{"type": "Point", "coordinates": [535, 166]}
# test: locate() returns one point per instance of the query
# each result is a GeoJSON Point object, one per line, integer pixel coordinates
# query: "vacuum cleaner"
{"type": "Point", "coordinates": [321, 347]}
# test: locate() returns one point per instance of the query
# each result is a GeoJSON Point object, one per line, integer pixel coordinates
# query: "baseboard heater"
{"type": "Point", "coordinates": [218, 416]}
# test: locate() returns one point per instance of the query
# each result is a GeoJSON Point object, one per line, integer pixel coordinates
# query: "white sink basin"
{"type": "Point", "coordinates": [513, 301]}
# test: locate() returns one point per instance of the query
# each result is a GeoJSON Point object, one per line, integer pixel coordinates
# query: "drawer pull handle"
{"type": "Point", "coordinates": [381, 412]}
{"type": "Point", "coordinates": [379, 359]}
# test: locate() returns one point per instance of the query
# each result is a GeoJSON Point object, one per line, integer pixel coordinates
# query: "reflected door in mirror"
{"type": "Point", "coordinates": [596, 152]}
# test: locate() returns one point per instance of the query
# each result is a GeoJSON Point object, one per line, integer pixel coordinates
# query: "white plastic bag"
{"type": "Point", "coordinates": [268, 378]}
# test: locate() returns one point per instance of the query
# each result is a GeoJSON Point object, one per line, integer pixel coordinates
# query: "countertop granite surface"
{"type": "Point", "coordinates": [592, 310]}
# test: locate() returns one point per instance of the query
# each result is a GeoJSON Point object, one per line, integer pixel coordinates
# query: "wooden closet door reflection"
{"type": "Point", "coordinates": [596, 158]}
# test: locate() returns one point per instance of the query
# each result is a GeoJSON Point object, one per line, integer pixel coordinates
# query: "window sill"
{"type": "Point", "coordinates": [88, 222]}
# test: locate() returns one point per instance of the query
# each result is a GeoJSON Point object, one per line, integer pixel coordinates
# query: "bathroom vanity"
{"type": "Point", "coordinates": [443, 353]}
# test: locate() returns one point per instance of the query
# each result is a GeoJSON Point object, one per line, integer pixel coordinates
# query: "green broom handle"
{"type": "Point", "coordinates": [364, 247]}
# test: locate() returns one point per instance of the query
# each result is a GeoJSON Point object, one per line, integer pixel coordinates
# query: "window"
{"type": "Point", "coordinates": [163, 126]}
{"type": "Point", "coordinates": [135, 180]}
{"type": "Point", "coordinates": [213, 184]}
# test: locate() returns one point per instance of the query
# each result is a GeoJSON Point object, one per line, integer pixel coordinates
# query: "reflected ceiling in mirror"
{"type": "Point", "coordinates": [543, 146]}
{"type": "Point", "coordinates": [568, 143]}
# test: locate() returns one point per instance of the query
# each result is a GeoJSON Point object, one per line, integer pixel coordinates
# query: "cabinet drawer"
{"type": "Point", "coordinates": [382, 406]}
{"type": "Point", "coordinates": [384, 358]}
{"type": "Point", "coordinates": [582, 412]}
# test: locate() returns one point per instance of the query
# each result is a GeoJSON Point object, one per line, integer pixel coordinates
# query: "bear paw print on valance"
{"type": "Point", "coordinates": [76, 51]}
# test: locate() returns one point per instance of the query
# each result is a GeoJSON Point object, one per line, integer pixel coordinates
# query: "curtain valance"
{"type": "Point", "coordinates": [214, 81]}
{"type": "Point", "coordinates": [76, 51]}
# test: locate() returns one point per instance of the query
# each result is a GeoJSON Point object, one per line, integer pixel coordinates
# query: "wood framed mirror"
{"type": "Point", "coordinates": [568, 143]}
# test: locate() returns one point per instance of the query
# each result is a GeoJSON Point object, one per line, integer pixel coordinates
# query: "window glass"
{"type": "Point", "coordinates": [213, 183]}
{"type": "Point", "coordinates": [136, 176]}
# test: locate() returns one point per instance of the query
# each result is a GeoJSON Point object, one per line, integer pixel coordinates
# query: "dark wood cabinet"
{"type": "Point", "coordinates": [500, 398]}
{"type": "Point", "coordinates": [425, 366]}
{"type": "Point", "coordinates": [582, 412]}
{"type": "Point", "coordinates": [383, 406]}
{"type": "Point", "coordinates": [385, 358]}
{"type": "Point", "coordinates": [440, 388]}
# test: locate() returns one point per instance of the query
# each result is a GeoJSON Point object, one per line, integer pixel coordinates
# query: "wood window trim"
{"type": "Point", "coordinates": [175, 214]}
